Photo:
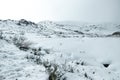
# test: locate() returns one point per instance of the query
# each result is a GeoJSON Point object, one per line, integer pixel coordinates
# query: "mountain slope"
{"type": "Point", "coordinates": [35, 51]}
{"type": "Point", "coordinates": [52, 29]}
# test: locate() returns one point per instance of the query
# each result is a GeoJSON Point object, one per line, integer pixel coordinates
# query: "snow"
{"type": "Point", "coordinates": [77, 58]}
{"type": "Point", "coordinates": [102, 49]}
{"type": "Point", "coordinates": [13, 65]}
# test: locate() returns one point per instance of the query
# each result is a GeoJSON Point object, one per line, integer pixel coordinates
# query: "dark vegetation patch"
{"type": "Point", "coordinates": [116, 34]}
{"type": "Point", "coordinates": [79, 32]}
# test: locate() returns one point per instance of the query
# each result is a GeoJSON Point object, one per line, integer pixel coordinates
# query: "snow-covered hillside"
{"type": "Point", "coordinates": [57, 29]}
{"type": "Point", "coordinates": [37, 51]}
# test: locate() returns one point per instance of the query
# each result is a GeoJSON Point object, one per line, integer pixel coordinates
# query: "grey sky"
{"type": "Point", "coordinates": [61, 10]}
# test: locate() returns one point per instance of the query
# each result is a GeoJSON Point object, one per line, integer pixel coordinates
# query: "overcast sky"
{"type": "Point", "coordinates": [61, 10]}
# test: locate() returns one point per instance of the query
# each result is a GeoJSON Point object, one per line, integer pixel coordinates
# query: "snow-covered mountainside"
{"type": "Point", "coordinates": [52, 29]}
{"type": "Point", "coordinates": [59, 51]}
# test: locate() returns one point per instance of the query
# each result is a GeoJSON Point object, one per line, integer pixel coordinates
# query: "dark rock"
{"type": "Point", "coordinates": [106, 65]}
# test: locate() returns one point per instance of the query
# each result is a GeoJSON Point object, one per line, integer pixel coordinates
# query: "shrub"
{"type": "Point", "coordinates": [79, 32]}
{"type": "Point", "coordinates": [116, 34]}
{"type": "Point", "coordinates": [52, 75]}
{"type": "Point", "coordinates": [1, 34]}
{"type": "Point", "coordinates": [21, 42]}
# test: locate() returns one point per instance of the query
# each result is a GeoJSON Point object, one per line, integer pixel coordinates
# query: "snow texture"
{"type": "Point", "coordinates": [80, 51]}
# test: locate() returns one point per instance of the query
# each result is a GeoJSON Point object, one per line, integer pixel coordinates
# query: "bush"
{"type": "Point", "coordinates": [1, 34]}
{"type": "Point", "coordinates": [52, 75]}
{"type": "Point", "coordinates": [52, 69]}
{"type": "Point", "coordinates": [116, 34]}
{"type": "Point", "coordinates": [37, 55]}
{"type": "Point", "coordinates": [21, 42]}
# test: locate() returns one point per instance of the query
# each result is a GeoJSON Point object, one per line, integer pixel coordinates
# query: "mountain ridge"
{"type": "Point", "coordinates": [56, 29]}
